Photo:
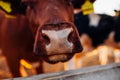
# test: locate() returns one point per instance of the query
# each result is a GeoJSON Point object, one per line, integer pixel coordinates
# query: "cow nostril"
{"type": "Point", "coordinates": [70, 36]}
{"type": "Point", "coordinates": [46, 38]}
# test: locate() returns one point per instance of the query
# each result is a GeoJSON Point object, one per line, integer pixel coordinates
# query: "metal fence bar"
{"type": "Point", "coordinates": [106, 72]}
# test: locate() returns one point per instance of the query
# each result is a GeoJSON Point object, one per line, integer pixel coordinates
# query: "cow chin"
{"type": "Point", "coordinates": [52, 59]}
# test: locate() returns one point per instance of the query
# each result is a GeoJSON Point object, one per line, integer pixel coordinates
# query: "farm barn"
{"type": "Point", "coordinates": [83, 26]}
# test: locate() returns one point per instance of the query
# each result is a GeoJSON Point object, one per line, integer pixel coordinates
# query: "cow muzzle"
{"type": "Point", "coordinates": [59, 42]}
{"type": "Point", "coordinates": [57, 45]}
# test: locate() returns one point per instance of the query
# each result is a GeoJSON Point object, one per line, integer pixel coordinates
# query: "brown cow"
{"type": "Point", "coordinates": [46, 29]}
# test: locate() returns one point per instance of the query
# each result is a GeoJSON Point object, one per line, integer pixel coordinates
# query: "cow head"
{"type": "Point", "coordinates": [56, 37]}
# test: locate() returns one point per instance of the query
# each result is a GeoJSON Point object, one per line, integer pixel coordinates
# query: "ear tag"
{"type": "Point", "coordinates": [87, 7]}
{"type": "Point", "coordinates": [6, 6]}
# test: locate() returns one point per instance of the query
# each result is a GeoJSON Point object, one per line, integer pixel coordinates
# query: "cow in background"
{"type": "Point", "coordinates": [43, 27]}
{"type": "Point", "coordinates": [99, 34]}
{"type": "Point", "coordinates": [103, 41]}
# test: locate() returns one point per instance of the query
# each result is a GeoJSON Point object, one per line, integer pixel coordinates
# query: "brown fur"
{"type": "Point", "coordinates": [18, 35]}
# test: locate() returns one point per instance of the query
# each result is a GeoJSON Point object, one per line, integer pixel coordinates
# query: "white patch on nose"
{"type": "Point", "coordinates": [58, 41]}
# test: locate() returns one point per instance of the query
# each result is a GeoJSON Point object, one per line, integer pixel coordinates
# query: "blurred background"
{"type": "Point", "coordinates": [98, 24]}
{"type": "Point", "coordinates": [99, 30]}
{"type": "Point", "coordinates": [106, 6]}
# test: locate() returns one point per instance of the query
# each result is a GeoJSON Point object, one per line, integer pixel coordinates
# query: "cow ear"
{"type": "Point", "coordinates": [13, 7]}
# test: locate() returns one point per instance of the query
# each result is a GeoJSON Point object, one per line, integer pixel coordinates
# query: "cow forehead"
{"type": "Point", "coordinates": [59, 10]}
{"type": "Point", "coordinates": [47, 3]}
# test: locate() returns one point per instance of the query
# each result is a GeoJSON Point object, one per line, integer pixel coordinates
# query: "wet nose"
{"type": "Point", "coordinates": [57, 41]}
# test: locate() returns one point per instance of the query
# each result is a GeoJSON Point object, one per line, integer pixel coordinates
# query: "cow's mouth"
{"type": "Point", "coordinates": [57, 58]}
